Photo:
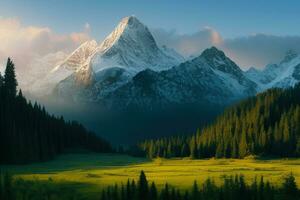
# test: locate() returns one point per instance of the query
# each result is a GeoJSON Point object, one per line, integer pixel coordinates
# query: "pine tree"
{"type": "Point", "coordinates": [10, 81]}
{"type": "Point", "coordinates": [153, 192]}
{"type": "Point", "coordinates": [289, 187]}
{"type": "Point", "coordinates": [1, 81]}
{"type": "Point", "coordinates": [165, 193]}
{"type": "Point", "coordinates": [143, 186]}
{"type": "Point", "coordinates": [195, 191]}
{"type": "Point", "coordinates": [243, 147]}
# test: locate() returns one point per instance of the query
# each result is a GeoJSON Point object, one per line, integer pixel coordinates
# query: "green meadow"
{"type": "Point", "coordinates": [88, 173]}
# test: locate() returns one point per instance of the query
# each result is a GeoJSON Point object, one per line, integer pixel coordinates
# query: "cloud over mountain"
{"type": "Point", "coordinates": [27, 43]}
{"type": "Point", "coordinates": [255, 50]}
{"type": "Point", "coordinates": [260, 49]}
{"type": "Point", "coordinates": [188, 44]}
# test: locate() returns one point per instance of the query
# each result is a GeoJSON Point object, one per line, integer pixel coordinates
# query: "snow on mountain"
{"type": "Point", "coordinates": [131, 46]}
{"type": "Point", "coordinates": [129, 49]}
{"type": "Point", "coordinates": [210, 78]}
{"type": "Point", "coordinates": [77, 62]}
{"type": "Point", "coordinates": [129, 69]}
{"type": "Point", "coordinates": [284, 74]}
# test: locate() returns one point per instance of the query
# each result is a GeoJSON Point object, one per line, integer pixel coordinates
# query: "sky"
{"type": "Point", "coordinates": [232, 18]}
{"type": "Point", "coordinates": [252, 33]}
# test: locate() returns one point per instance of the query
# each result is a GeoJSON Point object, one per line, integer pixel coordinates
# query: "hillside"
{"type": "Point", "coordinates": [28, 133]}
{"type": "Point", "coordinates": [267, 124]}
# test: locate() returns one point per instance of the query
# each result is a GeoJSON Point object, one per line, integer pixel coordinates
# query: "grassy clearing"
{"type": "Point", "coordinates": [90, 172]}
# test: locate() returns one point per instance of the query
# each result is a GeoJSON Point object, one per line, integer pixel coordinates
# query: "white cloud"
{"type": "Point", "coordinates": [188, 44]}
{"type": "Point", "coordinates": [260, 49]}
{"type": "Point", "coordinates": [25, 44]}
{"type": "Point", "coordinates": [255, 50]}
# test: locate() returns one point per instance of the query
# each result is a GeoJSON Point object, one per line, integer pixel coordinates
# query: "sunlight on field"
{"type": "Point", "coordinates": [90, 172]}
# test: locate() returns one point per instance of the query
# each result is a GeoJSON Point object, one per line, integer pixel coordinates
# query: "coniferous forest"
{"type": "Point", "coordinates": [232, 188]}
{"type": "Point", "coordinates": [149, 100]}
{"type": "Point", "coordinates": [264, 125]}
{"type": "Point", "coordinates": [28, 133]}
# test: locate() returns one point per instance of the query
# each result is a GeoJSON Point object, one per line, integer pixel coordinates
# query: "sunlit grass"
{"type": "Point", "coordinates": [93, 171]}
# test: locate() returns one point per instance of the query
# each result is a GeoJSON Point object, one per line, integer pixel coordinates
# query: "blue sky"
{"type": "Point", "coordinates": [251, 32]}
{"type": "Point", "coordinates": [232, 18]}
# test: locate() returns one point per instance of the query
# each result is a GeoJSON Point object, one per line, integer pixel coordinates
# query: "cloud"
{"type": "Point", "coordinates": [188, 44]}
{"type": "Point", "coordinates": [255, 50]}
{"type": "Point", "coordinates": [260, 49]}
{"type": "Point", "coordinates": [25, 44]}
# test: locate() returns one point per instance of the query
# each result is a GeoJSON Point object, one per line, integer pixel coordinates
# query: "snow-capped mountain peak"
{"type": "Point", "coordinates": [219, 61]}
{"type": "Point", "coordinates": [131, 46]}
{"type": "Point", "coordinates": [128, 27]}
{"type": "Point", "coordinates": [282, 75]}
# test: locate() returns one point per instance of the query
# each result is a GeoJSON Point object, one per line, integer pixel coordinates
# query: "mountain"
{"type": "Point", "coordinates": [93, 70]}
{"type": "Point", "coordinates": [211, 78]}
{"type": "Point", "coordinates": [130, 83]}
{"type": "Point", "coordinates": [177, 100]}
{"type": "Point", "coordinates": [283, 75]}
{"type": "Point", "coordinates": [77, 63]}
{"type": "Point", "coordinates": [131, 46]}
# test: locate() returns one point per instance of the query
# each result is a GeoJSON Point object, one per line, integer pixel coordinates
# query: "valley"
{"type": "Point", "coordinates": [91, 172]}
{"type": "Point", "coordinates": [182, 102]}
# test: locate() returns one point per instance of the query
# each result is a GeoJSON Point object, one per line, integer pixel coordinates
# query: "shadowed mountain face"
{"type": "Point", "coordinates": [136, 89]}
{"type": "Point", "coordinates": [211, 78]}
{"type": "Point", "coordinates": [160, 103]}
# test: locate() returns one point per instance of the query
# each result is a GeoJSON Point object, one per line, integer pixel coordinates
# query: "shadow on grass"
{"type": "Point", "coordinates": [52, 189]}
{"type": "Point", "coordinates": [81, 161]}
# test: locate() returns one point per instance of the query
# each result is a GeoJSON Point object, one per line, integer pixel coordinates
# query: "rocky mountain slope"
{"type": "Point", "coordinates": [211, 78]}
{"type": "Point", "coordinates": [283, 75]}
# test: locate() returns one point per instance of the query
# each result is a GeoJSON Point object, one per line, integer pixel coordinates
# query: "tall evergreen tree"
{"type": "Point", "coordinates": [29, 134]}
{"type": "Point", "coordinates": [10, 81]}
{"type": "Point", "coordinates": [290, 190]}
{"type": "Point", "coordinates": [142, 187]}
{"type": "Point", "coordinates": [153, 192]}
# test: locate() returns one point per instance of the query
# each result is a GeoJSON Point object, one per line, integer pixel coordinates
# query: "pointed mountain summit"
{"type": "Point", "coordinates": [219, 61]}
{"type": "Point", "coordinates": [132, 46]}
{"type": "Point", "coordinates": [130, 29]}
{"type": "Point", "coordinates": [129, 49]}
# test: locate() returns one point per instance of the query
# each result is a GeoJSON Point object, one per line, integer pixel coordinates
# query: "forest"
{"type": "Point", "coordinates": [232, 188]}
{"type": "Point", "coordinates": [264, 125]}
{"type": "Point", "coordinates": [28, 133]}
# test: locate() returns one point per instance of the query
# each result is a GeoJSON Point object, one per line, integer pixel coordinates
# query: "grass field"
{"type": "Point", "coordinates": [87, 173]}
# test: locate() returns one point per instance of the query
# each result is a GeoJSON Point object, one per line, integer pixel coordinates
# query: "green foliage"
{"type": "Point", "coordinates": [289, 188]}
{"type": "Point", "coordinates": [143, 186]}
{"type": "Point", "coordinates": [233, 188]}
{"type": "Point", "coordinates": [28, 133]}
{"type": "Point", "coordinates": [10, 81]}
{"type": "Point", "coordinates": [267, 124]}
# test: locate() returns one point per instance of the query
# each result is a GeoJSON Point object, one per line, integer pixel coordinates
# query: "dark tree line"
{"type": "Point", "coordinates": [28, 133]}
{"type": "Point", "coordinates": [268, 124]}
{"type": "Point", "coordinates": [233, 188]}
